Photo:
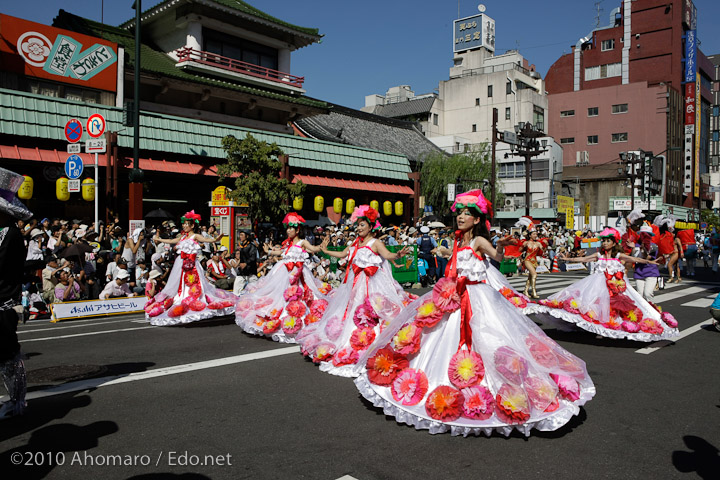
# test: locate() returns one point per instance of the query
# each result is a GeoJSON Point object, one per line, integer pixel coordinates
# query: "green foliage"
{"type": "Point", "coordinates": [471, 168]}
{"type": "Point", "coordinates": [707, 215]}
{"type": "Point", "coordinates": [258, 184]}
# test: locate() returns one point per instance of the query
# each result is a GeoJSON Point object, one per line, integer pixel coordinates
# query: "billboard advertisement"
{"type": "Point", "coordinates": [50, 53]}
{"type": "Point", "coordinates": [474, 32]}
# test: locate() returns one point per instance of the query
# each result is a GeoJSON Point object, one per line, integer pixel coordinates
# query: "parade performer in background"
{"type": "Point", "coordinates": [604, 302]}
{"type": "Point", "coordinates": [532, 248]}
{"type": "Point", "coordinates": [366, 301]}
{"type": "Point", "coordinates": [687, 250]}
{"type": "Point", "coordinates": [666, 244]}
{"type": "Point", "coordinates": [463, 360]}
{"type": "Point", "coordinates": [289, 296]}
{"type": "Point", "coordinates": [12, 260]}
{"type": "Point", "coordinates": [646, 274]}
{"type": "Point", "coordinates": [629, 233]}
{"type": "Point", "coordinates": [188, 296]}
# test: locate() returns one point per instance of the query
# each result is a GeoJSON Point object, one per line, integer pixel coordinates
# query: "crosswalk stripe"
{"type": "Point", "coordinates": [682, 292]}
{"type": "Point", "coordinates": [654, 347]}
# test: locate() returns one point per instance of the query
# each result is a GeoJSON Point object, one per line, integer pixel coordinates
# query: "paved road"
{"type": "Point", "coordinates": [209, 401]}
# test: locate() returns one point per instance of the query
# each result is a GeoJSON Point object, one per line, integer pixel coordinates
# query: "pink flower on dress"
{"type": "Point", "coordinates": [168, 303]}
{"type": "Point", "coordinates": [512, 405]}
{"type": "Point", "coordinates": [630, 327]}
{"type": "Point", "coordinates": [634, 315]}
{"type": "Point", "coordinates": [346, 356]}
{"type": "Point", "coordinates": [263, 302]}
{"type": "Point", "coordinates": [361, 338]}
{"type": "Point", "coordinates": [510, 365]}
{"type": "Point", "coordinates": [365, 316]}
{"type": "Point", "coordinates": [541, 351]}
{"type": "Point", "coordinates": [291, 325]}
{"type": "Point", "coordinates": [195, 290]}
{"type": "Point", "coordinates": [296, 308]}
{"type": "Point", "coordinates": [568, 387]}
{"type": "Point", "coordinates": [384, 366]}
{"type": "Point", "coordinates": [156, 310]}
{"type": "Point", "coordinates": [310, 318]}
{"type": "Point", "coordinates": [518, 301]}
{"type": "Point", "coordinates": [293, 292]}
{"type": "Point", "coordinates": [669, 319]}
{"type": "Point", "coordinates": [572, 305]}
{"type": "Point", "coordinates": [552, 303]}
{"type": "Point", "coordinates": [178, 310]}
{"type": "Point", "coordinates": [649, 325]}
{"type": "Point", "coordinates": [540, 391]}
{"type": "Point", "coordinates": [409, 387]}
{"type": "Point", "coordinates": [569, 363]}
{"type": "Point", "coordinates": [554, 405]}
{"type": "Point", "coordinates": [216, 305]}
{"type": "Point", "coordinates": [445, 403]}
{"type": "Point", "coordinates": [445, 295]}
{"type": "Point", "coordinates": [613, 324]}
{"type": "Point", "coordinates": [407, 340]}
{"type": "Point", "coordinates": [318, 306]}
{"type": "Point", "coordinates": [466, 369]}
{"type": "Point", "coordinates": [334, 327]}
{"type": "Point", "coordinates": [323, 352]}
{"type": "Point", "coordinates": [244, 305]}
{"type": "Point", "coordinates": [479, 403]}
{"type": "Point", "coordinates": [196, 306]}
{"type": "Point", "coordinates": [271, 326]}
{"type": "Point", "coordinates": [309, 343]}
{"type": "Point", "coordinates": [325, 288]}
{"type": "Point", "coordinates": [428, 315]}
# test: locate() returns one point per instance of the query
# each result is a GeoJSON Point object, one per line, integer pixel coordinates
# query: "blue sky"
{"type": "Point", "coordinates": [372, 45]}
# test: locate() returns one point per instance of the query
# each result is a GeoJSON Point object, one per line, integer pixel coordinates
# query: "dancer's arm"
{"type": "Point", "coordinates": [342, 254]}
{"type": "Point", "coordinates": [169, 241]}
{"type": "Point", "coordinates": [589, 258]}
{"type": "Point", "coordinates": [628, 258]}
{"type": "Point", "coordinates": [387, 254]}
{"type": "Point", "coordinates": [483, 246]}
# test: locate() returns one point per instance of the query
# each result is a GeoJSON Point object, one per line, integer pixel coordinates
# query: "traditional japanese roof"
{"type": "Point", "coordinates": [405, 108]}
{"type": "Point", "coordinates": [353, 127]}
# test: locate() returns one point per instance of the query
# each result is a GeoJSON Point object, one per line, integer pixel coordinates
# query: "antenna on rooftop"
{"type": "Point", "coordinates": [597, 13]}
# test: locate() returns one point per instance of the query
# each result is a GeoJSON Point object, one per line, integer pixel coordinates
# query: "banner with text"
{"type": "Point", "coordinates": [97, 308]}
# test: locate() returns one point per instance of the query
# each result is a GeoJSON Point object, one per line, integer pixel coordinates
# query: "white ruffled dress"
{"type": "Point", "coordinates": [369, 298]}
{"type": "Point", "coordinates": [188, 296]}
{"type": "Point", "coordinates": [605, 303]}
{"type": "Point", "coordinates": [280, 303]}
{"type": "Point", "coordinates": [495, 370]}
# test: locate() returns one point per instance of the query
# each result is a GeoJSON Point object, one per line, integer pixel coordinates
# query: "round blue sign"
{"type": "Point", "coordinates": [73, 167]}
{"type": "Point", "coordinates": [73, 130]}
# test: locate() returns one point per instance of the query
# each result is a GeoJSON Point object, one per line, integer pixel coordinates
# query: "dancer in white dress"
{"type": "Point", "coordinates": [462, 359]}
{"type": "Point", "coordinates": [287, 298]}
{"type": "Point", "coordinates": [367, 300]}
{"type": "Point", "coordinates": [188, 296]}
{"type": "Point", "coordinates": [604, 302]}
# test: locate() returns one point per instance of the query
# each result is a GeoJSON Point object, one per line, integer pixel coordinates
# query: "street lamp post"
{"type": "Point", "coordinates": [492, 160]}
{"type": "Point", "coordinates": [136, 174]}
{"type": "Point", "coordinates": [528, 146]}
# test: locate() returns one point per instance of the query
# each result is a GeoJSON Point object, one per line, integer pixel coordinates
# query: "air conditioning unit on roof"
{"type": "Point", "coordinates": [582, 158]}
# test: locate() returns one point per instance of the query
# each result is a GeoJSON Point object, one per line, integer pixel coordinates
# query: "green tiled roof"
{"type": "Point", "coordinates": [159, 63]}
{"type": "Point", "coordinates": [245, 8]}
{"type": "Point", "coordinates": [36, 116]}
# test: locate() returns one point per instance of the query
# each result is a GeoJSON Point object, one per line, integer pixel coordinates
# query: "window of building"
{"type": "Point", "coordinates": [240, 49]}
{"type": "Point", "coordinates": [567, 141]}
{"type": "Point", "coordinates": [436, 119]}
{"type": "Point", "coordinates": [477, 102]}
{"type": "Point", "coordinates": [592, 140]}
{"type": "Point", "coordinates": [540, 170]}
{"type": "Point", "coordinates": [606, 45]}
{"type": "Point", "coordinates": [511, 170]}
{"type": "Point", "coordinates": [507, 113]}
{"type": "Point", "coordinates": [620, 108]}
{"type": "Point", "coordinates": [716, 136]}
{"type": "Point", "coordinates": [716, 111]}
{"type": "Point", "coordinates": [603, 71]}
{"type": "Point", "coordinates": [539, 118]}
{"type": "Point", "coordinates": [508, 88]}
{"type": "Point", "coordinates": [567, 113]}
{"type": "Point", "coordinates": [489, 90]}
{"type": "Point", "coordinates": [592, 111]}
{"type": "Point", "coordinates": [619, 137]}
{"type": "Point", "coordinates": [474, 127]}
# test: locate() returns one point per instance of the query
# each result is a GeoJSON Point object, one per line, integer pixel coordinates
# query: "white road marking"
{"type": "Point", "coordinates": [24, 330]}
{"type": "Point", "coordinates": [83, 334]}
{"type": "Point", "coordinates": [664, 343]}
{"type": "Point", "coordinates": [158, 372]}
{"type": "Point", "coordinates": [682, 293]}
{"type": "Point", "coordinates": [704, 302]}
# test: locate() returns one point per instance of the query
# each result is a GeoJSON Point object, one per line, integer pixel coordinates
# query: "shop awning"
{"type": "Point", "coordinates": [352, 184]}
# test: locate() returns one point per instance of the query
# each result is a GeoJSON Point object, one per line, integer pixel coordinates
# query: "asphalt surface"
{"type": "Point", "coordinates": [114, 398]}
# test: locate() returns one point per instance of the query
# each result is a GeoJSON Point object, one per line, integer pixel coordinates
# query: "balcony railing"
{"type": "Point", "coordinates": [187, 54]}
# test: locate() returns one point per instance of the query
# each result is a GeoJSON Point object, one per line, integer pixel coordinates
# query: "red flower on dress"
{"type": "Point", "coordinates": [568, 387]}
{"type": "Point", "coordinates": [572, 305]}
{"type": "Point", "coordinates": [621, 303]}
{"type": "Point", "coordinates": [428, 315]}
{"type": "Point", "coordinates": [407, 340]}
{"type": "Point", "coordinates": [244, 305]}
{"type": "Point", "coordinates": [296, 308]}
{"type": "Point", "coordinates": [168, 303]}
{"type": "Point", "coordinates": [540, 391]}
{"type": "Point", "coordinates": [291, 325]}
{"type": "Point", "coordinates": [552, 303]}
{"type": "Point", "coordinates": [384, 366]}
{"type": "Point", "coordinates": [518, 301]}
{"type": "Point", "coordinates": [318, 306]}
{"type": "Point", "coordinates": [445, 403]}
{"type": "Point", "coordinates": [541, 351]}
{"type": "Point", "coordinates": [507, 292]}
{"type": "Point", "coordinates": [216, 305]}
{"type": "Point", "coordinates": [323, 352]}
{"type": "Point", "coordinates": [554, 405]}
{"type": "Point", "coordinates": [410, 386]}
{"type": "Point", "coordinates": [191, 277]}
{"type": "Point", "coordinates": [649, 325]}
{"type": "Point", "coordinates": [669, 319]}
{"type": "Point", "coordinates": [271, 326]}
{"type": "Point", "coordinates": [479, 403]}
{"type": "Point", "coordinates": [294, 292]}
{"type": "Point", "coordinates": [512, 404]}
{"type": "Point", "coordinates": [346, 356]}
{"type": "Point", "coordinates": [156, 310]}
{"type": "Point", "coordinates": [466, 369]}
{"type": "Point", "coordinates": [635, 315]}
{"type": "Point", "coordinates": [365, 316]}
{"type": "Point", "coordinates": [178, 310]}
{"type": "Point", "coordinates": [310, 318]}
{"type": "Point", "coordinates": [195, 290]}
{"type": "Point", "coordinates": [445, 296]}
{"type": "Point", "coordinates": [361, 338]}
{"type": "Point", "coordinates": [196, 306]}
{"type": "Point", "coordinates": [510, 365]}
{"type": "Point", "coordinates": [613, 324]}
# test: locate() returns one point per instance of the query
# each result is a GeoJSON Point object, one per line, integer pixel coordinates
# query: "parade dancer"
{"type": "Point", "coordinates": [188, 296]}
{"type": "Point", "coordinates": [532, 248]}
{"type": "Point", "coordinates": [367, 300]}
{"type": "Point", "coordinates": [12, 260]}
{"type": "Point", "coordinates": [463, 360]}
{"type": "Point", "coordinates": [605, 303]}
{"type": "Point", "coordinates": [289, 296]}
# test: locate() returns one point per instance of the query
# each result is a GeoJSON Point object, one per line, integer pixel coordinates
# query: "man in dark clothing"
{"type": "Point", "coordinates": [426, 244]}
{"type": "Point", "coordinates": [247, 268]}
{"type": "Point", "coordinates": [12, 258]}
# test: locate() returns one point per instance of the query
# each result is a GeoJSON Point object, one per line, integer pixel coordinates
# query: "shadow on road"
{"type": "Point", "coordinates": [703, 458]}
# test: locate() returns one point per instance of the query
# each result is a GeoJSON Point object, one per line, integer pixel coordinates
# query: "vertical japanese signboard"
{"type": "Point", "coordinates": [474, 32]}
{"type": "Point", "coordinates": [691, 104]}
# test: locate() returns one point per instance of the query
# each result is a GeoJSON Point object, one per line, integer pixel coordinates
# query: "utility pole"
{"type": "Point", "coordinates": [492, 160]}
{"type": "Point", "coordinates": [528, 147]}
{"type": "Point", "coordinates": [136, 174]}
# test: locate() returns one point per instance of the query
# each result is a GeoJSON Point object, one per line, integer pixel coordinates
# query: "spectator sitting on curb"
{"type": "Point", "coordinates": [118, 287]}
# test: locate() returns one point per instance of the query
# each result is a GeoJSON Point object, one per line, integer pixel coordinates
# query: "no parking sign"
{"type": "Point", "coordinates": [73, 130]}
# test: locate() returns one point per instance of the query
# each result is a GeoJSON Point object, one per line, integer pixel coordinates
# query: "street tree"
{"type": "Point", "coordinates": [255, 166]}
{"type": "Point", "coordinates": [471, 169]}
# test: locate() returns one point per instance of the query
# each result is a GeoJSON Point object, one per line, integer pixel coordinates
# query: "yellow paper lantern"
{"type": "Point", "coordinates": [349, 206]}
{"type": "Point", "coordinates": [298, 203]}
{"type": "Point", "coordinates": [399, 208]}
{"type": "Point", "coordinates": [319, 204]}
{"type": "Point", "coordinates": [337, 205]}
{"type": "Point", "coordinates": [375, 204]}
{"type": "Point", "coordinates": [26, 189]}
{"type": "Point", "coordinates": [387, 208]}
{"type": "Point", "coordinates": [61, 189]}
{"type": "Point", "coordinates": [88, 189]}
